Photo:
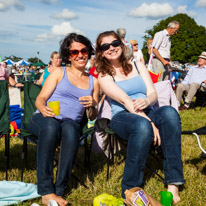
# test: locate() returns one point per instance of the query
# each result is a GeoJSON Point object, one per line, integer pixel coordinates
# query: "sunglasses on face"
{"type": "Point", "coordinates": [135, 44]}
{"type": "Point", "coordinates": [115, 43]}
{"type": "Point", "coordinates": [75, 52]}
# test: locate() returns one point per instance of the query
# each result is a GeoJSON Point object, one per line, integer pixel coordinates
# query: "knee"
{"type": "Point", "coordinates": [50, 128]}
{"type": "Point", "coordinates": [180, 87]}
{"type": "Point", "coordinates": [143, 129]}
{"type": "Point", "coordinates": [169, 114]}
{"type": "Point", "coordinates": [71, 130]}
{"type": "Point", "coordinates": [194, 86]}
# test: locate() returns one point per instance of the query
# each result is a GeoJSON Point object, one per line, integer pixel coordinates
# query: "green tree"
{"type": "Point", "coordinates": [188, 44]}
{"type": "Point", "coordinates": [13, 58]}
{"type": "Point", "coordinates": [34, 60]}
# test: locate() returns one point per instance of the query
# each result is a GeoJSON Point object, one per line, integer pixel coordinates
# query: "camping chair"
{"type": "Point", "coordinates": [31, 91]}
{"type": "Point", "coordinates": [201, 96]}
{"type": "Point", "coordinates": [155, 77]}
{"type": "Point", "coordinates": [196, 133]}
{"type": "Point", "coordinates": [113, 144]}
{"type": "Point", "coordinates": [5, 120]}
{"type": "Point", "coordinates": [109, 142]}
{"type": "Point", "coordinates": [37, 76]}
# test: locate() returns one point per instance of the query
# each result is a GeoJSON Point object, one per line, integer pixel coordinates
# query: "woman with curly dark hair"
{"type": "Point", "coordinates": [76, 91]}
{"type": "Point", "coordinates": [131, 94]}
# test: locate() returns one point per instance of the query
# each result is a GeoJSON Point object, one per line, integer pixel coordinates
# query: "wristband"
{"type": "Point", "coordinates": [15, 85]}
{"type": "Point", "coordinates": [94, 107]}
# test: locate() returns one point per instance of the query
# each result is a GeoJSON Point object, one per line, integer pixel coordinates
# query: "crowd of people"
{"type": "Point", "coordinates": [117, 69]}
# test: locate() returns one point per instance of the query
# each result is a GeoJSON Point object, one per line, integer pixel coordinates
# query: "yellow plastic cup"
{"type": "Point", "coordinates": [55, 105]}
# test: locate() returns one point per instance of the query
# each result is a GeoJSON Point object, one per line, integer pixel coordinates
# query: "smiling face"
{"type": "Point", "coordinates": [173, 31]}
{"type": "Point", "coordinates": [56, 60]}
{"type": "Point", "coordinates": [135, 47]}
{"type": "Point", "coordinates": [113, 53]}
{"type": "Point", "coordinates": [201, 62]}
{"type": "Point", "coordinates": [79, 55]}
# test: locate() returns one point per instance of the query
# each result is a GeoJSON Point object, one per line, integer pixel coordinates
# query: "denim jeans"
{"type": "Point", "coordinates": [50, 133]}
{"type": "Point", "coordinates": [138, 132]}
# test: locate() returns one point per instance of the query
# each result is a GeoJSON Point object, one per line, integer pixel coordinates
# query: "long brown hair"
{"type": "Point", "coordinates": [103, 65]}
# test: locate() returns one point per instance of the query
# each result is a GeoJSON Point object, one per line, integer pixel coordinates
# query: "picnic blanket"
{"type": "Point", "coordinates": [13, 192]}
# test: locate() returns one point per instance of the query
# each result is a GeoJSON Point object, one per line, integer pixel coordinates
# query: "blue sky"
{"type": "Point", "coordinates": [31, 26]}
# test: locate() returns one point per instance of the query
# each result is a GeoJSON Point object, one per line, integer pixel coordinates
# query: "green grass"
{"type": "Point", "coordinates": [194, 167]}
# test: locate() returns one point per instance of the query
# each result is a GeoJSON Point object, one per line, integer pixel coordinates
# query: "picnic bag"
{"type": "Point", "coordinates": [138, 195]}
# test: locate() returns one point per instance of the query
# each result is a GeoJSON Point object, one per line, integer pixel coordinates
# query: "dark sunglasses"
{"type": "Point", "coordinates": [135, 44]}
{"type": "Point", "coordinates": [115, 43]}
{"type": "Point", "coordinates": [75, 52]}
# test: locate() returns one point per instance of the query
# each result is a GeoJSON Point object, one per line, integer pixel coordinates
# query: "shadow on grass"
{"type": "Point", "coordinates": [196, 162]}
{"type": "Point", "coordinates": [15, 163]}
{"type": "Point", "coordinates": [81, 172]}
{"type": "Point", "coordinates": [15, 160]}
{"type": "Point", "coordinates": [154, 164]}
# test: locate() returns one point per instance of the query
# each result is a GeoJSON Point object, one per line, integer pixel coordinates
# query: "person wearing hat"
{"type": "Point", "coordinates": [137, 53]}
{"type": "Point", "coordinates": [191, 83]}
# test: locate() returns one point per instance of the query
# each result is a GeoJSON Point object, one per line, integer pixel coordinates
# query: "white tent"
{"type": "Point", "coordinates": [9, 62]}
{"type": "Point", "coordinates": [23, 62]}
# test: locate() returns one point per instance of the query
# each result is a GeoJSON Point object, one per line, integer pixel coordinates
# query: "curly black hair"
{"type": "Point", "coordinates": [65, 45]}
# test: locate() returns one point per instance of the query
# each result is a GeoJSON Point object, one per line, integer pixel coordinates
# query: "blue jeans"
{"type": "Point", "coordinates": [50, 133]}
{"type": "Point", "coordinates": [138, 132]}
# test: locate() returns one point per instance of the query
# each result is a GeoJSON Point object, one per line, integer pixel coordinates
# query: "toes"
{"type": "Point", "coordinates": [176, 200]}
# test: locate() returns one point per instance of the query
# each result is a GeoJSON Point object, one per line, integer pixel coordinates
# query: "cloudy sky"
{"type": "Point", "coordinates": [31, 26]}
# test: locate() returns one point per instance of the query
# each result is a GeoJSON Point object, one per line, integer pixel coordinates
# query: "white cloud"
{"type": "Point", "coordinates": [201, 3]}
{"type": "Point", "coordinates": [65, 14]}
{"type": "Point", "coordinates": [183, 9]}
{"type": "Point", "coordinates": [63, 29]}
{"type": "Point", "coordinates": [153, 10]}
{"type": "Point", "coordinates": [6, 5]}
{"type": "Point", "coordinates": [58, 31]}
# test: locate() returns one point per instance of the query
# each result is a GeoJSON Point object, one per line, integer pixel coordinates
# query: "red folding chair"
{"type": "Point", "coordinates": [155, 77]}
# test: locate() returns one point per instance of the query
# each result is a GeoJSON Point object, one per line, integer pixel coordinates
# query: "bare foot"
{"type": "Point", "coordinates": [174, 189]}
{"type": "Point", "coordinates": [52, 196]}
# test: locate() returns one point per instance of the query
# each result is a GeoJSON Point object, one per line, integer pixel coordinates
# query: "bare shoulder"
{"type": "Point", "coordinates": [140, 65]}
{"type": "Point", "coordinates": [104, 76]}
{"type": "Point", "coordinates": [57, 72]}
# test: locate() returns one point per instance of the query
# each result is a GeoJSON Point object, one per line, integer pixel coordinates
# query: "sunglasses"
{"type": "Point", "coordinates": [115, 43]}
{"type": "Point", "coordinates": [135, 44]}
{"type": "Point", "coordinates": [75, 52]}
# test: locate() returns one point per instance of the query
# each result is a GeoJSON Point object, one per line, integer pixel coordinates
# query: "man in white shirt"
{"type": "Point", "coordinates": [191, 83]}
{"type": "Point", "coordinates": [161, 50]}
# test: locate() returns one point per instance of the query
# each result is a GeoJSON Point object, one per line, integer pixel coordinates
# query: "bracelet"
{"type": "Point", "coordinates": [94, 107]}
{"type": "Point", "coordinates": [151, 121]}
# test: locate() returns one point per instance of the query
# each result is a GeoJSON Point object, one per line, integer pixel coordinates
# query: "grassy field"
{"type": "Point", "coordinates": [192, 194]}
